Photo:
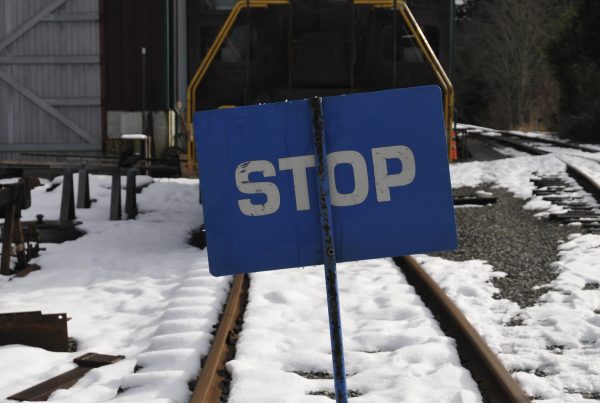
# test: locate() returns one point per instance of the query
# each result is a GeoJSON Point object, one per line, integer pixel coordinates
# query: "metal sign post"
{"type": "Point", "coordinates": [276, 177]}
{"type": "Point", "coordinates": [388, 180]}
{"type": "Point", "coordinates": [333, 300]}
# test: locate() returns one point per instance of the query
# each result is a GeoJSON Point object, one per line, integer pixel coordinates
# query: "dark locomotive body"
{"type": "Point", "coordinates": [312, 47]}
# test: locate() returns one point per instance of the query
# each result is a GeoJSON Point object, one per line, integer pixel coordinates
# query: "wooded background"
{"type": "Point", "coordinates": [529, 65]}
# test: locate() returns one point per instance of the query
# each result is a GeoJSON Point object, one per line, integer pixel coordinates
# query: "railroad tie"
{"type": "Point", "coordinates": [85, 363]}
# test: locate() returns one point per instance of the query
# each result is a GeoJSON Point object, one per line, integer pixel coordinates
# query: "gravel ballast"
{"type": "Point", "coordinates": [512, 240]}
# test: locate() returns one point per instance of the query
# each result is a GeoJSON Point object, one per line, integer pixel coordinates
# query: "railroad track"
{"type": "Point", "coordinates": [563, 144]}
{"type": "Point", "coordinates": [211, 384]}
{"type": "Point", "coordinates": [559, 190]}
{"type": "Point", "coordinates": [530, 144]}
{"type": "Point", "coordinates": [525, 143]}
{"type": "Point", "coordinates": [494, 381]}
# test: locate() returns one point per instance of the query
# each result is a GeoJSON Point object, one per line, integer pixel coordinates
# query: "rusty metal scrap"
{"type": "Point", "coordinates": [47, 331]}
{"type": "Point", "coordinates": [13, 199]}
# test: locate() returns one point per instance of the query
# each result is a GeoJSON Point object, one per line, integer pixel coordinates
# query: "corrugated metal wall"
{"type": "Point", "coordinates": [50, 76]}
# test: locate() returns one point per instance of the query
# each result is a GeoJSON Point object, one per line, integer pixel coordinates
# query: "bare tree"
{"type": "Point", "coordinates": [504, 42]}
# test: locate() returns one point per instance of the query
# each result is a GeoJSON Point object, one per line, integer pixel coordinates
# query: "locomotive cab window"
{"type": "Point", "coordinates": [424, 4]}
{"type": "Point", "coordinates": [240, 45]}
{"type": "Point", "coordinates": [407, 49]}
{"type": "Point", "coordinates": [223, 4]}
{"type": "Point", "coordinates": [406, 46]}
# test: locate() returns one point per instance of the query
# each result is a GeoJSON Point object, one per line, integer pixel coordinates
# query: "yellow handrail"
{"type": "Point", "coordinates": [205, 64]}
{"type": "Point", "coordinates": [447, 87]}
{"type": "Point", "coordinates": [407, 17]}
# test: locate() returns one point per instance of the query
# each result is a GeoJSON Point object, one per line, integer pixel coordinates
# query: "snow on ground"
{"type": "Point", "coordinates": [395, 351]}
{"type": "Point", "coordinates": [134, 287]}
{"type": "Point", "coordinates": [510, 152]}
{"type": "Point", "coordinates": [555, 353]}
{"type": "Point", "coordinates": [538, 135]}
{"type": "Point", "coordinates": [513, 173]}
{"type": "Point", "coordinates": [131, 287]}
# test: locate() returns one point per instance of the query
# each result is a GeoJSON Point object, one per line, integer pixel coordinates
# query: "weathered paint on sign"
{"type": "Point", "coordinates": [388, 180]}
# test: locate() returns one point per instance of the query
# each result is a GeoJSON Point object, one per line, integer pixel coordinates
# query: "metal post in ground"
{"type": "Point", "coordinates": [333, 300]}
{"type": "Point", "coordinates": [83, 189]}
{"type": "Point", "coordinates": [143, 49]}
{"type": "Point", "coordinates": [67, 202]}
{"type": "Point", "coordinates": [10, 211]}
{"type": "Point", "coordinates": [19, 241]}
{"type": "Point", "coordinates": [130, 190]}
{"type": "Point", "coordinates": [115, 196]}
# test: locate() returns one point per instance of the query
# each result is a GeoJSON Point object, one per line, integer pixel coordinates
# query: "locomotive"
{"type": "Point", "coordinates": [259, 51]}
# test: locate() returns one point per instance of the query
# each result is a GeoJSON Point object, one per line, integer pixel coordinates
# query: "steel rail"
{"type": "Point", "coordinates": [517, 145]}
{"type": "Point", "coordinates": [587, 182]}
{"type": "Point", "coordinates": [492, 377]}
{"type": "Point", "coordinates": [548, 141]}
{"type": "Point", "coordinates": [516, 141]}
{"type": "Point", "coordinates": [208, 387]}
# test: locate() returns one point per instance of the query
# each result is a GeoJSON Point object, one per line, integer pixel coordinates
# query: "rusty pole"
{"type": "Point", "coordinates": [10, 211]}
{"type": "Point", "coordinates": [333, 298]}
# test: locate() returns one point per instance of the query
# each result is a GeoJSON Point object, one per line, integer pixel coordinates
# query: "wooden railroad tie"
{"type": "Point", "coordinates": [86, 363]}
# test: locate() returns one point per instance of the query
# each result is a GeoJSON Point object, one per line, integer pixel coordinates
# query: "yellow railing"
{"type": "Point", "coordinates": [407, 17]}
{"type": "Point", "coordinates": [435, 64]}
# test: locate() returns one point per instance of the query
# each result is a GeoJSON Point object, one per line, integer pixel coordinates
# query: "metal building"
{"type": "Point", "coordinates": [75, 75]}
{"type": "Point", "coordinates": [50, 86]}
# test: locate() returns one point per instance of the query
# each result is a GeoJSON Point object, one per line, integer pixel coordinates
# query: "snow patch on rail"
{"type": "Point", "coordinates": [513, 174]}
{"type": "Point", "coordinates": [553, 347]}
{"type": "Point", "coordinates": [553, 352]}
{"type": "Point", "coordinates": [395, 351]}
{"type": "Point", "coordinates": [131, 287]}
